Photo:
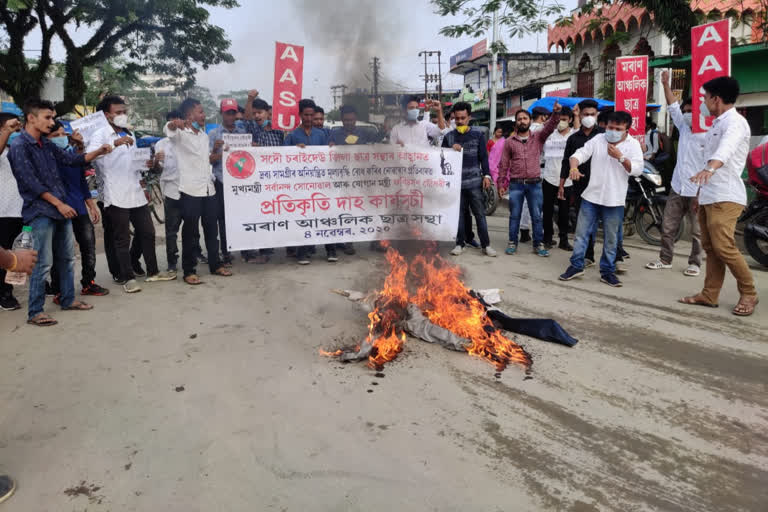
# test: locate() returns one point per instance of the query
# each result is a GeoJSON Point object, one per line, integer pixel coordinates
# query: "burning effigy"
{"type": "Point", "coordinates": [425, 297]}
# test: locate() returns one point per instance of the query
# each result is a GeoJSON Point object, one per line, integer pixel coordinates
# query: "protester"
{"type": "Point", "coordinates": [196, 189]}
{"type": "Point", "coordinates": [412, 131]}
{"type": "Point", "coordinates": [682, 200]}
{"type": "Point", "coordinates": [722, 196]}
{"type": "Point", "coordinates": [475, 176]}
{"type": "Point", "coordinates": [349, 133]}
{"type": "Point", "coordinates": [167, 163]}
{"type": "Point", "coordinates": [10, 205]}
{"type": "Point", "coordinates": [79, 198]}
{"type": "Point", "coordinates": [318, 120]}
{"type": "Point", "coordinates": [520, 175]}
{"type": "Point", "coordinates": [229, 111]}
{"type": "Point", "coordinates": [554, 149]}
{"type": "Point", "coordinates": [589, 129]}
{"type": "Point", "coordinates": [615, 156]}
{"type": "Point", "coordinates": [498, 134]}
{"type": "Point", "coordinates": [309, 135]}
{"type": "Point", "coordinates": [35, 161]}
{"type": "Point", "coordinates": [258, 122]}
{"type": "Point", "coordinates": [124, 200]}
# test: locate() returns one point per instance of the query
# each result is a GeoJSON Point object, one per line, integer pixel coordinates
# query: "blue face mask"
{"type": "Point", "coordinates": [196, 125]}
{"type": "Point", "coordinates": [613, 136]}
{"type": "Point", "coordinates": [412, 114]}
{"type": "Point", "coordinates": [240, 124]}
{"type": "Point", "coordinates": [62, 141]}
{"type": "Point", "coordinates": [265, 123]}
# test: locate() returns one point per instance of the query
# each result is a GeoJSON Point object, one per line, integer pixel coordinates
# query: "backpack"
{"type": "Point", "coordinates": [757, 167]}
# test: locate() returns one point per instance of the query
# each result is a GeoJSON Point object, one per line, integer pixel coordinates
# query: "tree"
{"type": "Point", "coordinates": [519, 17]}
{"type": "Point", "coordinates": [165, 37]}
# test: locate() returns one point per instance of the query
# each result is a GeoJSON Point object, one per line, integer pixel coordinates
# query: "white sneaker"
{"type": "Point", "coordinates": [490, 251]}
{"type": "Point", "coordinates": [457, 251]}
{"type": "Point", "coordinates": [132, 286]}
{"type": "Point", "coordinates": [692, 271]}
{"type": "Point", "coordinates": [658, 265]}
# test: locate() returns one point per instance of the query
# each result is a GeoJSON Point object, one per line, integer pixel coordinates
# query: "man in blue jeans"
{"type": "Point", "coordinates": [35, 162]}
{"type": "Point", "coordinates": [520, 173]}
{"type": "Point", "coordinates": [615, 156]}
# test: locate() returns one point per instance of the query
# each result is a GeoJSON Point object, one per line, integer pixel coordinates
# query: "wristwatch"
{"type": "Point", "coordinates": [622, 159]}
{"type": "Point", "coordinates": [710, 169]}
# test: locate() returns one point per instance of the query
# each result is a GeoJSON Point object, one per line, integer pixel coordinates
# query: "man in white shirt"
{"type": "Point", "coordinates": [722, 196]}
{"type": "Point", "coordinates": [165, 159]}
{"type": "Point", "coordinates": [554, 151]}
{"type": "Point", "coordinates": [197, 193]}
{"type": "Point", "coordinates": [124, 200]}
{"type": "Point", "coordinates": [10, 205]}
{"type": "Point", "coordinates": [615, 156]}
{"type": "Point", "coordinates": [411, 131]}
{"type": "Point", "coordinates": [682, 199]}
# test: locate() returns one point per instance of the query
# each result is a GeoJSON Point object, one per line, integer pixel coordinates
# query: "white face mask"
{"type": "Point", "coordinates": [121, 121]}
{"type": "Point", "coordinates": [588, 121]}
{"type": "Point", "coordinates": [412, 114]}
{"type": "Point", "coordinates": [704, 110]}
{"type": "Point", "coordinates": [613, 136]}
{"type": "Point", "coordinates": [688, 116]}
{"type": "Point", "coordinates": [562, 126]}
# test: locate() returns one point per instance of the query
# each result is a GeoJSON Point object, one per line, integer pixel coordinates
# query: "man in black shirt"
{"type": "Point", "coordinates": [589, 129]}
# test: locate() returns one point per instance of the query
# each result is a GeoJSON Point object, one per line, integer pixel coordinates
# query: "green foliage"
{"type": "Point", "coordinates": [607, 91]}
{"type": "Point", "coordinates": [518, 17]}
{"type": "Point", "coordinates": [164, 37]}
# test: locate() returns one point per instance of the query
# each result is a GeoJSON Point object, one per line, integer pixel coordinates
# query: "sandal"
{"type": "Point", "coordinates": [697, 300]}
{"type": "Point", "coordinates": [221, 271]}
{"type": "Point", "coordinates": [744, 308]}
{"type": "Point", "coordinates": [192, 279]}
{"type": "Point", "coordinates": [42, 320]}
{"type": "Point", "coordinates": [78, 306]}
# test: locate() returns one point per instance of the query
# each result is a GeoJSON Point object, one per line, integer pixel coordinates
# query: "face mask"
{"type": "Point", "coordinates": [536, 127]}
{"type": "Point", "coordinates": [704, 110]}
{"type": "Point", "coordinates": [121, 121]}
{"type": "Point", "coordinates": [62, 141]}
{"type": "Point", "coordinates": [589, 122]}
{"type": "Point", "coordinates": [196, 125]}
{"type": "Point", "coordinates": [240, 124]}
{"type": "Point", "coordinates": [265, 123]}
{"type": "Point", "coordinates": [562, 126]}
{"type": "Point", "coordinates": [351, 139]}
{"type": "Point", "coordinates": [13, 136]}
{"type": "Point", "coordinates": [688, 116]}
{"type": "Point", "coordinates": [462, 129]}
{"type": "Point", "coordinates": [412, 114]}
{"type": "Point", "coordinates": [613, 136]}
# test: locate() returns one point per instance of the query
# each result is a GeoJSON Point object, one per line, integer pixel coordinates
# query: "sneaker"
{"type": "Point", "coordinates": [474, 244]}
{"type": "Point", "coordinates": [692, 271]}
{"type": "Point", "coordinates": [457, 251]}
{"type": "Point", "coordinates": [623, 254]}
{"type": "Point", "coordinates": [548, 244]}
{"type": "Point", "coordinates": [541, 251]}
{"type": "Point", "coordinates": [161, 276]}
{"type": "Point", "coordinates": [304, 261]}
{"type": "Point", "coordinates": [9, 303]}
{"type": "Point", "coordinates": [173, 272]}
{"type": "Point", "coordinates": [331, 256]}
{"type": "Point", "coordinates": [7, 487]}
{"type": "Point", "coordinates": [621, 267]}
{"type": "Point", "coordinates": [290, 252]}
{"type": "Point", "coordinates": [131, 286]}
{"type": "Point", "coordinates": [571, 273]}
{"type": "Point", "coordinates": [202, 258]}
{"type": "Point", "coordinates": [93, 289]}
{"type": "Point", "coordinates": [525, 236]}
{"type": "Point", "coordinates": [511, 249]}
{"type": "Point", "coordinates": [565, 245]}
{"type": "Point", "coordinates": [349, 249]}
{"type": "Point", "coordinates": [658, 265]}
{"type": "Point", "coordinates": [588, 263]}
{"type": "Point", "coordinates": [138, 270]}
{"type": "Point", "coordinates": [490, 251]}
{"type": "Point", "coordinates": [49, 290]}
{"type": "Point", "coordinates": [118, 280]}
{"type": "Point", "coordinates": [611, 280]}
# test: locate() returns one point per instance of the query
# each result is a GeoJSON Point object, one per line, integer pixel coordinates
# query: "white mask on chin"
{"type": "Point", "coordinates": [121, 121]}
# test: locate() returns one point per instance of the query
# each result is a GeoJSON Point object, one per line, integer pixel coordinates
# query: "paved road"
{"type": "Point", "coordinates": [214, 398]}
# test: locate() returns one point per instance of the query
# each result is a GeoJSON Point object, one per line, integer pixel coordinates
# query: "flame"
{"type": "Point", "coordinates": [325, 353]}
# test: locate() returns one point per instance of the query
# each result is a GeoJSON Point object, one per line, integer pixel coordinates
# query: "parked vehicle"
{"type": "Point", "coordinates": [644, 210]}
{"type": "Point", "coordinates": [756, 214]}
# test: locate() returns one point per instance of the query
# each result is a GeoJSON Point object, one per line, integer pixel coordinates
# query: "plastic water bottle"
{"type": "Point", "coordinates": [23, 241]}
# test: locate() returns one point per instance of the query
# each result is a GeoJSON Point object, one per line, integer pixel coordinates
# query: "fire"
{"type": "Point", "coordinates": [435, 286]}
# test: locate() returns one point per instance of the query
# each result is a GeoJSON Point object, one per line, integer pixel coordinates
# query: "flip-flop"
{"type": "Point", "coordinates": [78, 306]}
{"type": "Point", "coordinates": [750, 308]}
{"type": "Point", "coordinates": [193, 280]}
{"type": "Point", "coordinates": [42, 320]}
{"type": "Point", "coordinates": [221, 271]}
{"type": "Point", "coordinates": [695, 300]}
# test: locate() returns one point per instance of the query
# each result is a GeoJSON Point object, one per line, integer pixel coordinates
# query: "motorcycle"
{"type": "Point", "coordinates": [644, 209]}
{"type": "Point", "coordinates": [756, 229]}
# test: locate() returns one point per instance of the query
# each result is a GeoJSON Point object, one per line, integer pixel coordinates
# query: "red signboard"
{"type": "Point", "coordinates": [710, 58]}
{"type": "Point", "coordinates": [289, 72]}
{"type": "Point", "coordinates": [632, 91]}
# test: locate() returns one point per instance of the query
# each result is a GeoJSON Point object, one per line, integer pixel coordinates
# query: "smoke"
{"type": "Point", "coordinates": [352, 32]}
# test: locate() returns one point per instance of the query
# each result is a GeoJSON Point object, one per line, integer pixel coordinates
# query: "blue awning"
{"type": "Point", "coordinates": [570, 102]}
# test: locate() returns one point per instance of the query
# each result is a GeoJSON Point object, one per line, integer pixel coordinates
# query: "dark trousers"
{"type": "Point", "coordinates": [10, 227]}
{"type": "Point", "coordinates": [85, 236]}
{"type": "Point", "coordinates": [550, 199]}
{"type": "Point", "coordinates": [109, 242]}
{"type": "Point", "coordinates": [220, 218]}
{"type": "Point", "coordinates": [172, 209]}
{"type": "Point", "coordinates": [469, 235]}
{"type": "Point", "coordinates": [472, 199]}
{"type": "Point", "coordinates": [305, 251]}
{"type": "Point", "coordinates": [195, 210]}
{"type": "Point", "coordinates": [143, 229]}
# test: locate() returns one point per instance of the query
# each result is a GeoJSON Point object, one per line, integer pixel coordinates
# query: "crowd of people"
{"type": "Point", "coordinates": [550, 161]}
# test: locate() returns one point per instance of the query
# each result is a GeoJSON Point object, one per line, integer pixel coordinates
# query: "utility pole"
{"type": "Point", "coordinates": [336, 95]}
{"type": "Point", "coordinates": [376, 64]}
{"type": "Point", "coordinates": [494, 62]}
{"type": "Point", "coordinates": [436, 78]}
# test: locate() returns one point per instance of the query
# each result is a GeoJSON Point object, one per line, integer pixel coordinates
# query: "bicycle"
{"type": "Point", "coordinates": [150, 182]}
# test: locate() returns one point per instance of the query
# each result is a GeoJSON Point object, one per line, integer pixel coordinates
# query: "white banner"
{"type": "Point", "coordinates": [89, 124]}
{"type": "Point", "coordinates": [290, 196]}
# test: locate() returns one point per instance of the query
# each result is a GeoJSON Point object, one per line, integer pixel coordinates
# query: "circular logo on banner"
{"type": "Point", "coordinates": [240, 165]}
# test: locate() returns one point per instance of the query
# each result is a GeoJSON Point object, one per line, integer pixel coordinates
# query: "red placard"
{"type": "Point", "coordinates": [632, 91]}
{"type": "Point", "coordinates": [710, 58]}
{"type": "Point", "coordinates": [289, 72]}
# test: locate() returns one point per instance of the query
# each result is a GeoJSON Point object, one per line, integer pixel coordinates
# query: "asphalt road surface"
{"type": "Point", "coordinates": [208, 398]}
